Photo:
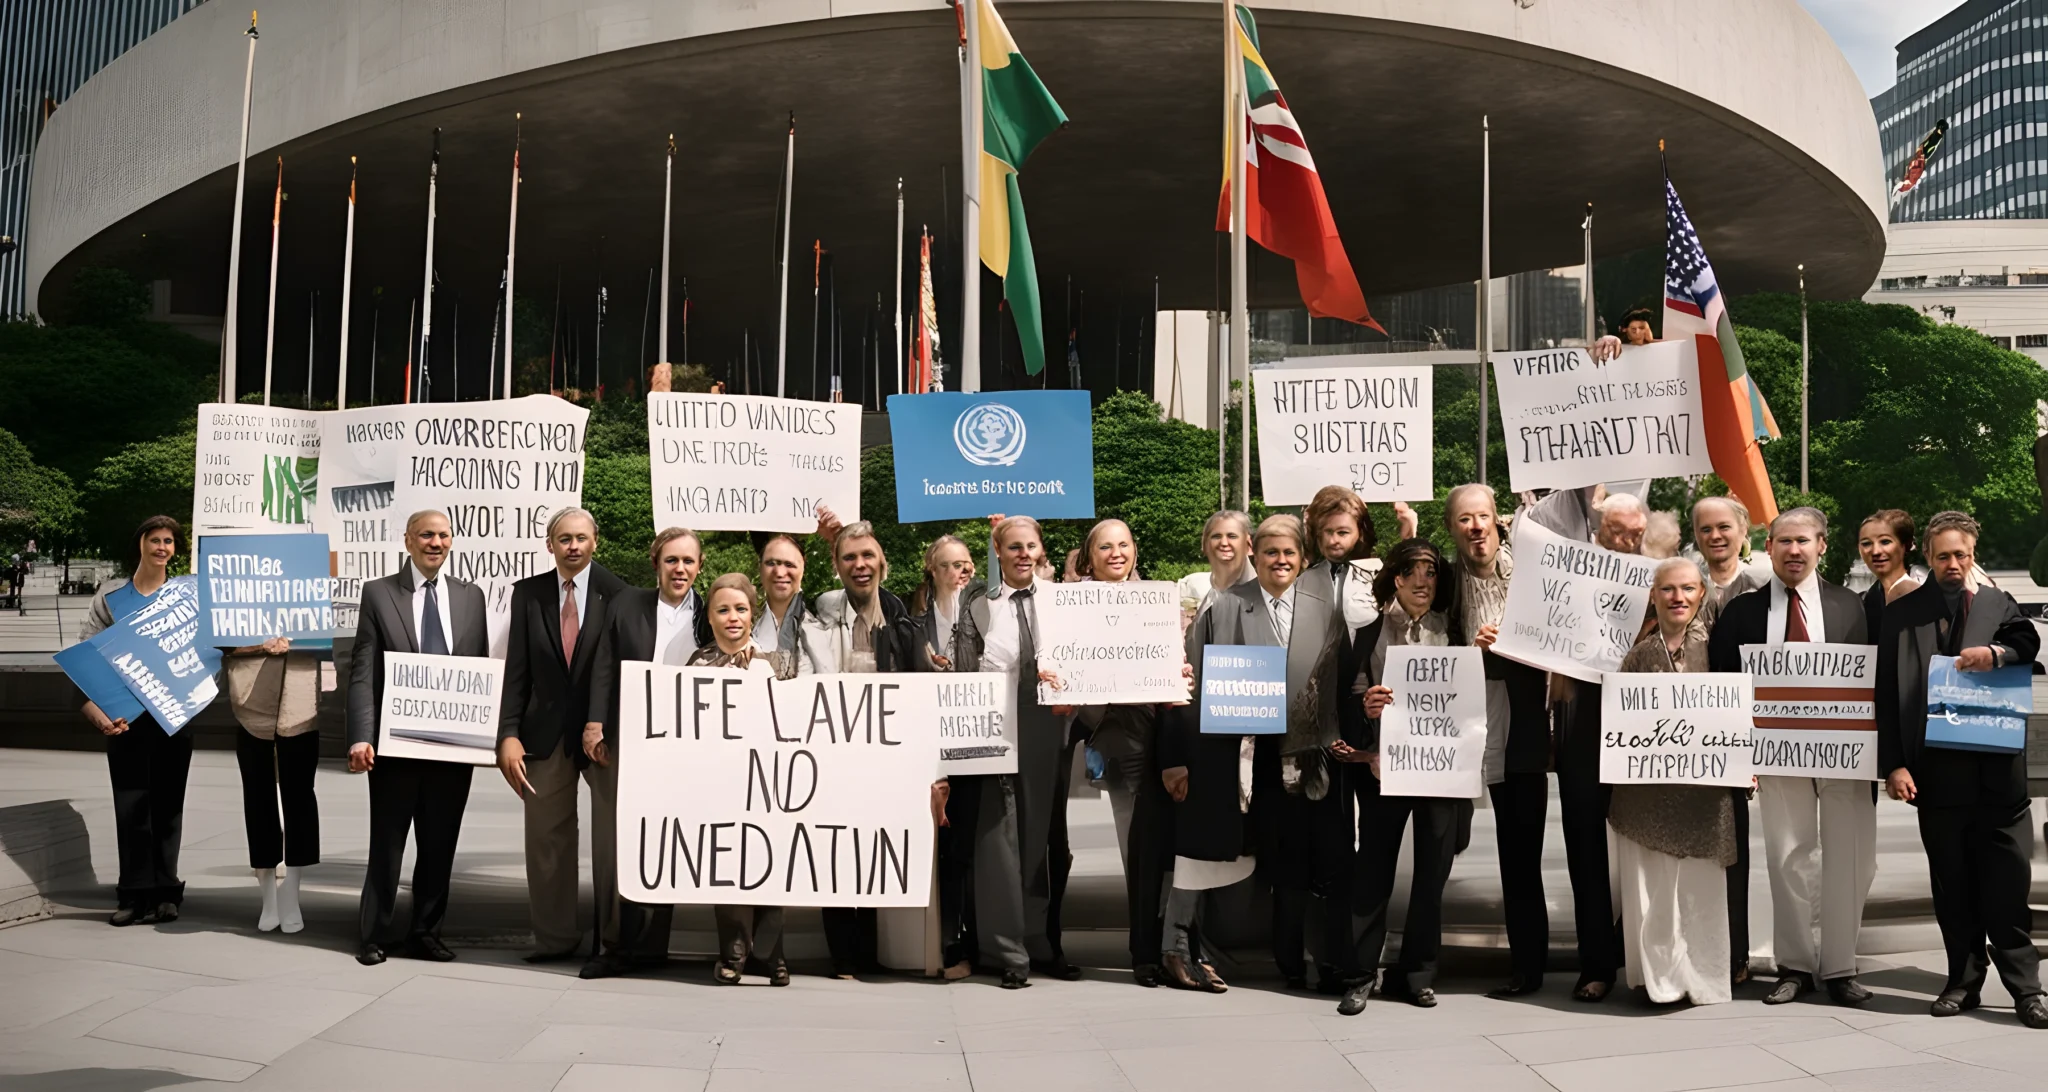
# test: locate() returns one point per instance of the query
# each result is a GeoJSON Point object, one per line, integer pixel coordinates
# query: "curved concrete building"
{"type": "Point", "coordinates": [1771, 141]}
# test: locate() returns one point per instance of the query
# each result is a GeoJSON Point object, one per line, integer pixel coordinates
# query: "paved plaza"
{"type": "Point", "coordinates": [210, 1000]}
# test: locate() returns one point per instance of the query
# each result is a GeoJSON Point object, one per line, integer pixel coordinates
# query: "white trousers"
{"type": "Point", "coordinates": [1674, 924]}
{"type": "Point", "coordinates": [1820, 843]}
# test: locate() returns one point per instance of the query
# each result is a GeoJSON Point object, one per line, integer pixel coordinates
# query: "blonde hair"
{"type": "Point", "coordinates": [670, 535]}
{"type": "Point", "coordinates": [1086, 565]}
{"type": "Point", "coordinates": [1011, 523]}
{"type": "Point", "coordinates": [1281, 526]}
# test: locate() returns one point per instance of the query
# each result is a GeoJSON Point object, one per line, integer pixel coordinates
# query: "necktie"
{"type": "Point", "coordinates": [1283, 620]}
{"type": "Point", "coordinates": [433, 639]}
{"type": "Point", "coordinates": [1955, 632]}
{"type": "Point", "coordinates": [1338, 569]}
{"type": "Point", "coordinates": [570, 625]}
{"type": "Point", "coordinates": [1027, 642]}
{"type": "Point", "coordinates": [1795, 617]}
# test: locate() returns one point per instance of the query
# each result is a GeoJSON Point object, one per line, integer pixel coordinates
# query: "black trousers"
{"type": "Point", "coordinates": [273, 770]}
{"type": "Point", "coordinates": [1382, 823]}
{"type": "Point", "coordinates": [1312, 890]}
{"type": "Point", "coordinates": [850, 937]}
{"type": "Point", "coordinates": [1521, 805]}
{"type": "Point", "coordinates": [955, 851]}
{"type": "Point", "coordinates": [1738, 886]}
{"type": "Point", "coordinates": [1582, 800]}
{"type": "Point", "coordinates": [1059, 852]}
{"type": "Point", "coordinates": [1148, 854]}
{"type": "Point", "coordinates": [148, 769]}
{"type": "Point", "coordinates": [1977, 860]}
{"type": "Point", "coordinates": [426, 798]}
{"type": "Point", "coordinates": [644, 930]}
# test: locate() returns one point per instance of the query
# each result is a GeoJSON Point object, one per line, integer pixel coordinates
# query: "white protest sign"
{"type": "Point", "coordinates": [1573, 608]}
{"type": "Point", "coordinates": [499, 469]}
{"type": "Point", "coordinates": [440, 708]}
{"type": "Point", "coordinates": [1815, 710]}
{"type": "Point", "coordinates": [1573, 422]}
{"type": "Point", "coordinates": [1675, 729]}
{"type": "Point", "coordinates": [1433, 736]}
{"type": "Point", "coordinates": [1370, 428]}
{"type": "Point", "coordinates": [359, 462]}
{"type": "Point", "coordinates": [742, 462]}
{"type": "Point", "coordinates": [256, 470]}
{"type": "Point", "coordinates": [736, 788]}
{"type": "Point", "coordinates": [977, 723]}
{"type": "Point", "coordinates": [1111, 643]}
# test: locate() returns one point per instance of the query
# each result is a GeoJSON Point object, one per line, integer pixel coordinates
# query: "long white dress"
{"type": "Point", "coordinates": [1674, 914]}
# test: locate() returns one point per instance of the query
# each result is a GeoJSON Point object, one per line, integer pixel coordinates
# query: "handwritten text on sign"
{"type": "Point", "coordinates": [1573, 607]}
{"type": "Point", "coordinates": [1815, 709]}
{"type": "Point", "coordinates": [1370, 428]}
{"type": "Point", "coordinates": [977, 722]}
{"type": "Point", "coordinates": [1678, 728]}
{"type": "Point", "coordinates": [1433, 737]}
{"type": "Point", "coordinates": [737, 788]}
{"type": "Point", "coordinates": [440, 708]}
{"type": "Point", "coordinates": [1573, 422]}
{"type": "Point", "coordinates": [255, 470]}
{"type": "Point", "coordinates": [156, 652]}
{"type": "Point", "coordinates": [255, 587]}
{"type": "Point", "coordinates": [1110, 643]}
{"type": "Point", "coordinates": [740, 462]}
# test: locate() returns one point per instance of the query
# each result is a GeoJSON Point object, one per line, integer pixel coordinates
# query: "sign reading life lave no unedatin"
{"type": "Point", "coordinates": [1571, 421]}
{"type": "Point", "coordinates": [1367, 426]}
{"type": "Point", "coordinates": [736, 462]}
{"type": "Point", "coordinates": [1020, 453]}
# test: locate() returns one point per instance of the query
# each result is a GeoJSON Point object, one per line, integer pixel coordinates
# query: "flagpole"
{"type": "Point", "coordinates": [348, 265]}
{"type": "Point", "coordinates": [899, 294]}
{"type": "Point", "coordinates": [227, 335]}
{"type": "Point", "coordinates": [427, 291]}
{"type": "Point", "coordinates": [667, 204]}
{"type": "Point", "coordinates": [1240, 312]}
{"type": "Point", "coordinates": [788, 196]}
{"type": "Point", "coordinates": [312, 310]}
{"type": "Point", "coordinates": [270, 318]}
{"type": "Point", "coordinates": [1804, 364]}
{"type": "Point", "coordinates": [817, 272]}
{"type": "Point", "coordinates": [1592, 310]}
{"type": "Point", "coordinates": [1485, 277]}
{"type": "Point", "coordinates": [512, 248]}
{"type": "Point", "coordinates": [970, 205]}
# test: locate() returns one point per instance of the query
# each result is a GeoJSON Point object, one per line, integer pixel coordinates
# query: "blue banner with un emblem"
{"type": "Point", "coordinates": [1020, 453]}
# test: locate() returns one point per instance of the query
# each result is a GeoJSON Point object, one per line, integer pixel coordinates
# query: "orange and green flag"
{"type": "Point", "coordinates": [1017, 114]}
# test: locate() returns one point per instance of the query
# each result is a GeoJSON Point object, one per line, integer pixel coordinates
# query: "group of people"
{"type": "Point", "coordinates": [1302, 809]}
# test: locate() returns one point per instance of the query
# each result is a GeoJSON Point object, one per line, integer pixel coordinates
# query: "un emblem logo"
{"type": "Point", "coordinates": [990, 434]}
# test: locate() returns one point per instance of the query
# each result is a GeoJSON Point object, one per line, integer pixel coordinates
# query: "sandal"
{"type": "Point", "coordinates": [725, 974]}
{"type": "Point", "coordinates": [1592, 992]}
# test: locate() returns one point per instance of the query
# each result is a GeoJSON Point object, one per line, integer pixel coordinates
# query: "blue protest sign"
{"type": "Point", "coordinates": [156, 651]}
{"type": "Point", "coordinates": [1244, 690]}
{"type": "Point", "coordinates": [87, 666]}
{"type": "Point", "coordinates": [1021, 453]}
{"type": "Point", "coordinates": [1978, 710]}
{"type": "Point", "coordinates": [255, 587]}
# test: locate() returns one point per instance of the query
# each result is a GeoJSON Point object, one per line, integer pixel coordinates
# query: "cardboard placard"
{"type": "Point", "coordinates": [256, 470]}
{"type": "Point", "coordinates": [739, 462]}
{"type": "Point", "coordinates": [1370, 428]}
{"type": "Point", "coordinates": [1573, 608]}
{"type": "Point", "coordinates": [1433, 736]}
{"type": "Point", "coordinates": [1243, 690]}
{"type": "Point", "coordinates": [440, 708]}
{"type": "Point", "coordinates": [1110, 643]}
{"type": "Point", "coordinates": [1572, 422]}
{"type": "Point", "coordinates": [1675, 728]}
{"type": "Point", "coordinates": [1816, 711]}
{"type": "Point", "coordinates": [255, 587]}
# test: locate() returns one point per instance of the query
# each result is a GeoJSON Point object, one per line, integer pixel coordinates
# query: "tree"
{"type": "Point", "coordinates": [36, 502]}
{"type": "Point", "coordinates": [152, 477]}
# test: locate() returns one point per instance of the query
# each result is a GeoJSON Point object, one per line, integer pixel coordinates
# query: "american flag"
{"type": "Point", "coordinates": [1689, 284]}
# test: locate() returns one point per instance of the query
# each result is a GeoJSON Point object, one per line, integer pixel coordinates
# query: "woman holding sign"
{"type": "Point", "coordinates": [1674, 843]}
{"type": "Point", "coordinates": [1414, 590]}
{"type": "Point", "coordinates": [743, 931]}
{"type": "Point", "coordinates": [147, 765]}
{"type": "Point", "coordinates": [779, 627]}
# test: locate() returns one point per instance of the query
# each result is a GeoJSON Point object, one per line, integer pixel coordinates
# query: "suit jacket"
{"type": "Point", "coordinates": [899, 643]}
{"type": "Point", "coordinates": [629, 632]}
{"type": "Point", "coordinates": [385, 625]}
{"type": "Point", "coordinates": [547, 700]}
{"type": "Point", "coordinates": [1746, 620]}
{"type": "Point", "coordinates": [1916, 628]}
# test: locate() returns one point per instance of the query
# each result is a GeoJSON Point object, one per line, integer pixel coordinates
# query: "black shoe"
{"type": "Point", "coordinates": [2033, 1011]}
{"type": "Point", "coordinates": [1788, 989]}
{"type": "Point", "coordinates": [602, 965]}
{"type": "Point", "coordinates": [427, 946]}
{"type": "Point", "coordinates": [166, 913]}
{"type": "Point", "coordinates": [1015, 980]}
{"type": "Point", "coordinates": [1516, 987]}
{"type": "Point", "coordinates": [1146, 975]}
{"type": "Point", "coordinates": [562, 956]}
{"type": "Point", "coordinates": [1848, 991]}
{"type": "Point", "coordinates": [778, 975]}
{"type": "Point", "coordinates": [370, 954]}
{"type": "Point", "coordinates": [1953, 1002]}
{"type": "Point", "coordinates": [126, 915]}
{"type": "Point", "coordinates": [1297, 982]}
{"type": "Point", "coordinates": [1424, 998]}
{"type": "Point", "coordinates": [1057, 968]}
{"type": "Point", "coordinates": [1354, 999]}
{"type": "Point", "coordinates": [1592, 992]}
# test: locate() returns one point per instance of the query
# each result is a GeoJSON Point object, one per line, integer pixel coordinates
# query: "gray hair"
{"type": "Point", "coordinates": [1812, 517]}
{"type": "Point", "coordinates": [1231, 514]}
{"type": "Point", "coordinates": [1734, 504]}
{"type": "Point", "coordinates": [1459, 493]}
{"type": "Point", "coordinates": [571, 512]}
{"type": "Point", "coordinates": [423, 514]}
{"type": "Point", "coordinates": [1622, 504]}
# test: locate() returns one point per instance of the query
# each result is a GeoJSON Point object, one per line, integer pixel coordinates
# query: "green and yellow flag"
{"type": "Point", "coordinates": [1017, 113]}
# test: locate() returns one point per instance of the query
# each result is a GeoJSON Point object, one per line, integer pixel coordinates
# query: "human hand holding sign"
{"type": "Point", "coordinates": [1980, 658]}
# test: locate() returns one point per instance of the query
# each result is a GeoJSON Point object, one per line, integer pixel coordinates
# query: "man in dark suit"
{"type": "Point", "coordinates": [1974, 815]}
{"type": "Point", "coordinates": [557, 617]}
{"type": "Point", "coordinates": [417, 609]}
{"type": "Point", "coordinates": [663, 625]}
{"type": "Point", "coordinates": [1819, 868]}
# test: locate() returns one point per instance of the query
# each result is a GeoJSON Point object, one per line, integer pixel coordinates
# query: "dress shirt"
{"type": "Point", "coordinates": [675, 630]}
{"type": "Point", "coordinates": [582, 581]}
{"type": "Point", "coordinates": [1281, 607]}
{"type": "Point", "coordinates": [419, 607]}
{"type": "Point", "coordinates": [1000, 645]}
{"type": "Point", "coordinates": [1809, 609]}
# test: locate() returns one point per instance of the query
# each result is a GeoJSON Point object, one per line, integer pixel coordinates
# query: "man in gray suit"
{"type": "Point", "coordinates": [417, 609]}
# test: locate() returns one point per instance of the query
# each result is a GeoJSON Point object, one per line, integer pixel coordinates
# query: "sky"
{"type": "Point", "coordinates": [1869, 31]}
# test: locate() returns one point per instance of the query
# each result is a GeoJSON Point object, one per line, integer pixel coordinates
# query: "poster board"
{"type": "Point", "coordinates": [158, 655]}
{"type": "Point", "coordinates": [256, 470]}
{"type": "Point", "coordinates": [739, 462]}
{"type": "Point", "coordinates": [964, 456]}
{"type": "Point", "coordinates": [1433, 736]}
{"type": "Point", "coordinates": [1573, 608]}
{"type": "Point", "coordinates": [1815, 710]}
{"type": "Point", "coordinates": [440, 708]}
{"type": "Point", "coordinates": [1571, 421]}
{"type": "Point", "coordinates": [1111, 643]}
{"type": "Point", "coordinates": [977, 722]}
{"type": "Point", "coordinates": [1676, 728]}
{"type": "Point", "coordinates": [255, 587]}
{"type": "Point", "coordinates": [1370, 428]}
{"type": "Point", "coordinates": [1243, 690]}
